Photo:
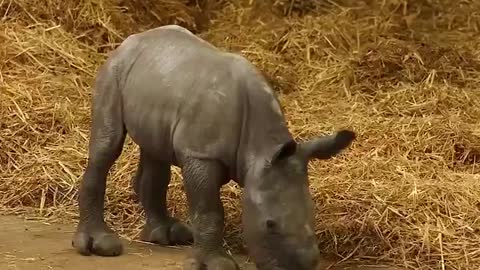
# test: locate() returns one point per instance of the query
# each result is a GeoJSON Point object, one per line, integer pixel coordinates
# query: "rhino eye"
{"type": "Point", "coordinates": [271, 225]}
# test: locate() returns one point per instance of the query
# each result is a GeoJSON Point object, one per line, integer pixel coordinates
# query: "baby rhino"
{"type": "Point", "coordinates": [212, 113]}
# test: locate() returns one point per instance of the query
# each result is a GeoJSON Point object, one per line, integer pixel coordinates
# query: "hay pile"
{"type": "Point", "coordinates": [404, 74]}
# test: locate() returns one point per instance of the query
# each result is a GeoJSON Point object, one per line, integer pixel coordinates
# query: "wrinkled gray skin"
{"type": "Point", "coordinates": [211, 113]}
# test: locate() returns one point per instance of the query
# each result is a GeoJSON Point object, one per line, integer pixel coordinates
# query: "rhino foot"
{"type": "Point", "coordinates": [212, 262]}
{"type": "Point", "coordinates": [172, 232]}
{"type": "Point", "coordinates": [100, 241]}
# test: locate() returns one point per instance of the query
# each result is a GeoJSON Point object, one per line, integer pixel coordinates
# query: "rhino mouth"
{"type": "Point", "coordinates": [279, 260]}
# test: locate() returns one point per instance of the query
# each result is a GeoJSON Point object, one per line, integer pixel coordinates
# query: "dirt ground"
{"type": "Point", "coordinates": [36, 245]}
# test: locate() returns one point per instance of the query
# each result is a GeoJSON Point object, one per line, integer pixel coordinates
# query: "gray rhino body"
{"type": "Point", "coordinates": [186, 103]}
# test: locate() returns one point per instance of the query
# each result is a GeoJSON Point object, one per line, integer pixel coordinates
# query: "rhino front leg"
{"type": "Point", "coordinates": [106, 141]}
{"type": "Point", "coordinates": [151, 185]}
{"type": "Point", "coordinates": [203, 180]}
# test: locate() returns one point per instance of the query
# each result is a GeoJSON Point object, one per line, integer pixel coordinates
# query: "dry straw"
{"type": "Point", "coordinates": [403, 74]}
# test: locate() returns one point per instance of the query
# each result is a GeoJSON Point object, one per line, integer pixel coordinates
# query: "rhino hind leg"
{"type": "Point", "coordinates": [151, 185]}
{"type": "Point", "coordinates": [105, 146]}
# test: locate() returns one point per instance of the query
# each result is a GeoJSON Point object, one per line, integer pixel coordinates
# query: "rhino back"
{"type": "Point", "coordinates": [181, 96]}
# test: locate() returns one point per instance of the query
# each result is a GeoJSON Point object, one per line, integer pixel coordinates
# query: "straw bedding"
{"type": "Point", "coordinates": [403, 74]}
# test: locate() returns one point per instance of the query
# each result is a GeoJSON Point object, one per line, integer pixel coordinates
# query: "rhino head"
{"type": "Point", "coordinates": [278, 215]}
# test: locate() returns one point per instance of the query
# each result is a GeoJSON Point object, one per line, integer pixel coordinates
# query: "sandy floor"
{"type": "Point", "coordinates": [34, 245]}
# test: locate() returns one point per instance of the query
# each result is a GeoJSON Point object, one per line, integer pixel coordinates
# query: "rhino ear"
{"type": "Point", "coordinates": [284, 151]}
{"type": "Point", "coordinates": [326, 147]}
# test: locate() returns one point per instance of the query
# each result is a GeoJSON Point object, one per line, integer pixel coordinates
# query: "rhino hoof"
{"type": "Point", "coordinates": [102, 244]}
{"type": "Point", "coordinates": [217, 262]}
{"type": "Point", "coordinates": [180, 234]}
{"type": "Point", "coordinates": [175, 233]}
{"type": "Point", "coordinates": [222, 263]}
{"type": "Point", "coordinates": [192, 264]}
